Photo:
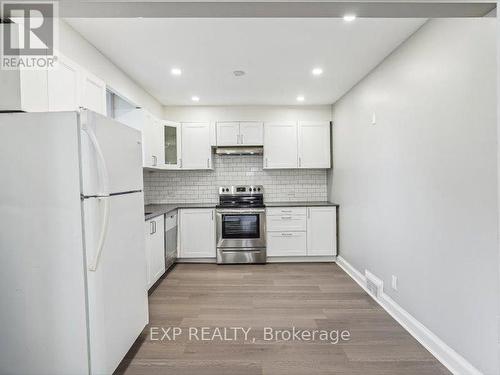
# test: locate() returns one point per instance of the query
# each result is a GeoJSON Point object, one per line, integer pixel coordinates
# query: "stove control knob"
{"type": "Point", "coordinates": [258, 189]}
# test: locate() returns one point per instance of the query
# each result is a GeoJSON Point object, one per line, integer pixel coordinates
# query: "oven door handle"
{"type": "Point", "coordinates": [241, 211]}
{"type": "Point", "coordinates": [240, 251]}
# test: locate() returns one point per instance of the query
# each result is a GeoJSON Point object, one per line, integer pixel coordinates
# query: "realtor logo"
{"type": "Point", "coordinates": [29, 34]}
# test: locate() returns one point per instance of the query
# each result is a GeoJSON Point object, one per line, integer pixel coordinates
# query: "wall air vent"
{"type": "Point", "coordinates": [374, 285]}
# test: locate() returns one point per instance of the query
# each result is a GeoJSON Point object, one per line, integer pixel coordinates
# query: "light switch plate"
{"type": "Point", "coordinates": [394, 282]}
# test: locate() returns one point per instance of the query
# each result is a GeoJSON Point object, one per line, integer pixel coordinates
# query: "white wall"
{"type": "Point", "coordinates": [418, 191]}
{"type": "Point", "coordinates": [73, 45]}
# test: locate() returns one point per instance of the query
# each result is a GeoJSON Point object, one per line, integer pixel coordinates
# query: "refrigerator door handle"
{"type": "Point", "coordinates": [102, 162]}
{"type": "Point", "coordinates": [104, 197]}
{"type": "Point", "coordinates": [102, 236]}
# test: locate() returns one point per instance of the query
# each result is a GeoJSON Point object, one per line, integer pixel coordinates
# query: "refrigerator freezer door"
{"type": "Point", "coordinates": [118, 304]}
{"type": "Point", "coordinates": [111, 154]}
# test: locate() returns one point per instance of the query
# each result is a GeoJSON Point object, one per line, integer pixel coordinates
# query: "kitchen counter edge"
{"type": "Point", "coordinates": [162, 209]}
{"type": "Point", "coordinates": [301, 204]}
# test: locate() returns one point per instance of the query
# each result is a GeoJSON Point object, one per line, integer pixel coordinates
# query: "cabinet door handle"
{"type": "Point", "coordinates": [237, 139]}
{"type": "Point", "coordinates": [308, 213]}
{"type": "Point", "coordinates": [180, 163]}
{"type": "Point", "coordinates": [151, 225]}
{"type": "Point", "coordinates": [300, 162]}
{"type": "Point", "coordinates": [241, 138]}
{"type": "Point", "coordinates": [212, 215]}
{"type": "Point", "coordinates": [286, 210]}
{"type": "Point", "coordinates": [286, 217]}
{"type": "Point", "coordinates": [287, 234]}
{"type": "Point", "coordinates": [266, 163]}
{"type": "Point", "coordinates": [208, 163]}
{"type": "Point", "coordinates": [155, 160]}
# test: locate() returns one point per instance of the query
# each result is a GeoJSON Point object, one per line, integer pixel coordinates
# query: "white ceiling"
{"type": "Point", "coordinates": [276, 54]}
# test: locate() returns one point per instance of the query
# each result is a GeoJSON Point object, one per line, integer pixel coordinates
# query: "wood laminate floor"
{"type": "Point", "coordinates": [310, 297]}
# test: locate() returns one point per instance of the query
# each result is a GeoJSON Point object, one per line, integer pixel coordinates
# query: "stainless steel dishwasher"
{"type": "Point", "coordinates": [170, 239]}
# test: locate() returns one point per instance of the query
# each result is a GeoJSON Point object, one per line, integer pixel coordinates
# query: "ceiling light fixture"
{"type": "Point", "coordinates": [317, 71]}
{"type": "Point", "coordinates": [176, 71]}
{"type": "Point", "coordinates": [195, 98]}
{"type": "Point", "coordinates": [300, 98]}
{"type": "Point", "coordinates": [349, 17]}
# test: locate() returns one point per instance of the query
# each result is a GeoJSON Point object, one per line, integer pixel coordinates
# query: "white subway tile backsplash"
{"type": "Point", "coordinates": [202, 186]}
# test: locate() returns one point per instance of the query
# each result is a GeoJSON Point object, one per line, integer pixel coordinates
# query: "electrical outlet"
{"type": "Point", "coordinates": [394, 282]}
{"type": "Point", "coordinates": [374, 118]}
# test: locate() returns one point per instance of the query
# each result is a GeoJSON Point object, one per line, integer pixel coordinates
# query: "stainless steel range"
{"type": "Point", "coordinates": [241, 225]}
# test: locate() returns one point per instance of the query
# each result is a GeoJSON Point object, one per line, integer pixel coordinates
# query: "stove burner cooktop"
{"type": "Point", "coordinates": [241, 196]}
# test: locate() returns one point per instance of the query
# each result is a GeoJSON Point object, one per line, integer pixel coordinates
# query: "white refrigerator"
{"type": "Point", "coordinates": [72, 248]}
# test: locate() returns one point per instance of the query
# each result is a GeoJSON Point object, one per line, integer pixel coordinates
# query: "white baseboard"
{"type": "Point", "coordinates": [453, 361]}
{"type": "Point", "coordinates": [196, 260]}
{"type": "Point", "coordinates": [301, 259]}
{"type": "Point", "coordinates": [305, 259]}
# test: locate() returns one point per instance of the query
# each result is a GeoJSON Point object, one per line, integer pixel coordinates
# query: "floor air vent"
{"type": "Point", "coordinates": [374, 285]}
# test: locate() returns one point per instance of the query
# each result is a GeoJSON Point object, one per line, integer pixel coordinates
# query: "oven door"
{"type": "Point", "coordinates": [241, 228]}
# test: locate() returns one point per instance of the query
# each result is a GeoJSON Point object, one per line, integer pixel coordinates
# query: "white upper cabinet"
{"type": "Point", "coordinates": [280, 145]}
{"type": "Point", "coordinates": [64, 86]}
{"type": "Point", "coordinates": [247, 133]}
{"type": "Point", "coordinates": [152, 142]}
{"type": "Point", "coordinates": [23, 90]}
{"type": "Point", "coordinates": [314, 144]}
{"type": "Point", "coordinates": [172, 144]}
{"type": "Point", "coordinates": [251, 133]}
{"type": "Point", "coordinates": [196, 150]}
{"type": "Point", "coordinates": [228, 133]}
{"type": "Point", "coordinates": [93, 91]}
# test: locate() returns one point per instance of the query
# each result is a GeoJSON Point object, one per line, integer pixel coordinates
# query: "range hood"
{"type": "Point", "coordinates": [239, 150]}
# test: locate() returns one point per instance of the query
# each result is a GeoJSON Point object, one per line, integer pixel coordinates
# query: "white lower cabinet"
{"type": "Point", "coordinates": [302, 231]}
{"type": "Point", "coordinates": [155, 248]}
{"type": "Point", "coordinates": [197, 233]}
{"type": "Point", "coordinates": [286, 244]}
{"type": "Point", "coordinates": [321, 231]}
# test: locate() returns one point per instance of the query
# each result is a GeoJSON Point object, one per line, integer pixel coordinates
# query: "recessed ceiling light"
{"type": "Point", "coordinates": [195, 98]}
{"type": "Point", "coordinates": [317, 71]}
{"type": "Point", "coordinates": [300, 98]}
{"type": "Point", "coordinates": [349, 17]}
{"type": "Point", "coordinates": [176, 71]}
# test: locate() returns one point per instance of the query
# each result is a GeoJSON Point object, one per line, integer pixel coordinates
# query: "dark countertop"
{"type": "Point", "coordinates": [161, 209]}
{"type": "Point", "coordinates": [300, 204]}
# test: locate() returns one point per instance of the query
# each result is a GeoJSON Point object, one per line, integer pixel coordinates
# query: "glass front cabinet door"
{"type": "Point", "coordinates": [172, 142]}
